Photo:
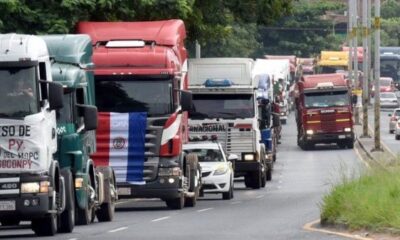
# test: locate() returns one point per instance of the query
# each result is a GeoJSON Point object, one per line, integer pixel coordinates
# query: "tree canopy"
{"type": "Point", "coordinates": [223, 27]}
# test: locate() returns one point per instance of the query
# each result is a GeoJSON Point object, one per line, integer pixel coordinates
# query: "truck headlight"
{"type": "Point", "coordinates": [44, 186]}
{"type": "Point", "coordinates": [248, 157]}
{"type": "Point", "coordinates": [78, 182]}
{"type": "Point", "coordinates": [221, 169]}
{"type": "Point", "coordinates": [30, 187]}
{"type": "Point", "coordinates": [310, 132]}
{"type": "Point", "coordinates": [347, 129]}
{"type": "Point", "coordinates": [175, 171]}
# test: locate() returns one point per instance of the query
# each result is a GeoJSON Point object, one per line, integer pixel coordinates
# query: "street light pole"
{"type": "Point", "coordinates": [355, 61]}
{"type": "Point", "coordinates": [365, 33]}
{"type": "Point", "coordinates": [377, 75]}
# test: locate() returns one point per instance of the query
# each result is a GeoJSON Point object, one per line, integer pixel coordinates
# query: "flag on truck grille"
{"type": "Point", "coordinates": [120, 140]}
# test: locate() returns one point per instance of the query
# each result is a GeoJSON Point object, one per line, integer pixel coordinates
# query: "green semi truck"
{"type": "Point", "coordinates": [93, 192]}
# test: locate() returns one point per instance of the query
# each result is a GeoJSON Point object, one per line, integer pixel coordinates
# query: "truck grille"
{"type": "Point", "coordinates": [233, 140]}
{"type": "Point", "coordinates": [328, 123]}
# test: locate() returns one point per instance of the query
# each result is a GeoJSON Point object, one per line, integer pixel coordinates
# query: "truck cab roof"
{"type": "Point", "coordinates": [19, 47]}
{"type": "Point", "coordinates": [321, 80]}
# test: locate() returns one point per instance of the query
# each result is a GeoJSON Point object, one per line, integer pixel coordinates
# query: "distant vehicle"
{"type": "Point", "coordinates": [386, 85]}
{"type": "Point", "coordinates": [397, 130]}
{"type": "Point", "coordinates": [394, 117]}
{"type": "Point", "coordinates": [389, 100]}
{"type": "Point", "coordinates": [216, 167]}
{"type": "Point", "coordinates": [390, 63]}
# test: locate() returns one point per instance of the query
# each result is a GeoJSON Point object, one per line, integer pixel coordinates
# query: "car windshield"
{"type": "Point", "coordinates": [397, 113]}
{"type": "Point", "coordinates": [18, 92]}
{"type": "Point", "coordinates": [121, 94]}
{"type": "Point", "coordinates": [207, 155]}
{"type": "Point", "coordinates": [385, 82]}
{"type": "Point", "coordinates": [326, 99]}
{"type": "Point", "coordinates": [222, 106]}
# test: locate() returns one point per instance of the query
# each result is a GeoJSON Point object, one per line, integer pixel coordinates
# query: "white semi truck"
{"type": "Point", "coordinates": [225, 104]}
{"type": "Point", "coordinates": [32, 186]}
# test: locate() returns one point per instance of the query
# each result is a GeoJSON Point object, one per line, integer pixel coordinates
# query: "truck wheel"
{"type": "Point", "coordinates": [192, 163]}
{"type": "Point", "coordinates": [176, 203]}
{"type": "Point", "coordinates": [350, 144]}
{"type": "Point", "coordinates": [248, 181]}
{"type": "Point", "coordinates": [269, 174]}
{"type": "Point", "coordinates": [10, 222]}
{"type": "Point", "coordinates": [84, 216]}
{"type": "Point", "coordinates": [397, 137]}
{"type": "Point", "coordinates": [256, 180]}
{"type": "Point", "coordinates": [264, 176]}
{"type": "Point", "coordinates": [283, 121]}
{"type": "Point", "coordinates": [107, 209]}
{"type": "Point", "coordinates": [46, 226]}
{"type": "Point", "coordinates": [67, 218]}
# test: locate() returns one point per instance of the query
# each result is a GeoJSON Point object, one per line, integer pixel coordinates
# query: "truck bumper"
{"type": "Point", "coordinates": [242, 167]}
{"type": "Point", "coordinates": [330, 137]}
{"type": "Point", "coordinates": [163, 187]}
{"type": "Point", "coordinates": [23, 206]}
{"type": "Point", "coordinates": [37, 208]}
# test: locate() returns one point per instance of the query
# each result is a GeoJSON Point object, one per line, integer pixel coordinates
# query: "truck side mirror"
{"type": "Point", "coordinates": [55, 95]}
{"type": "Point", "coordinates": [186, 100]}
{"type": "Point", "coordinates": [89, 114]}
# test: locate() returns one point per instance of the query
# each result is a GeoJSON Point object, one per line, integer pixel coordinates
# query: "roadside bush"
{"type": "Point", "coordinates": [371, 201]}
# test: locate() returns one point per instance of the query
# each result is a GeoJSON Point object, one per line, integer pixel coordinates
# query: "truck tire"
{"type": "Point", "coordinates": [264, 176]}
{"type": "Point", "coordinates": [269, 174]}
{"type": "Point", "coordinates": [397, 137]}
{"type": "Point", "coordinates": [85, 216]}
{"type": "Point", "coordinates": [247, 181]}
{"type": "Point", "coordinates": [350, 144]}
{"type": "Point", "coordinates": [176, 203]}
{"type": "Point", "coordinates": [257, 179]}
{"type": "Point", "coordinates": [10, 222]}
{"type": "Point", "coordinates": [66, 221]}
{"type": "Point", "coordinates": [192, 163]}
{"type": "Point", "coordinates": [107, 209]}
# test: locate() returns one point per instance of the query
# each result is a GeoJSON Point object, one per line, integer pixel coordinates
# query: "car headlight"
{"type": "Point", "coordinates": [310, 132]}
{"type": "Point", "coordinates": [30, 187]}
{"type": "Point", "coordinates": [347, 129]}
{"type": "Point", "coordinates": [221, 169]}
{"type": "Point", "coordinates": [248, 157]}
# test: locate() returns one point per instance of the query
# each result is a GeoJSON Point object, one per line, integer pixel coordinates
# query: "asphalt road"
{"type": "Point", "coordinates": [279, 211]}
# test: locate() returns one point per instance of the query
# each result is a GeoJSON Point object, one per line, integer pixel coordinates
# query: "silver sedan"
{"type": "Point", "coordinates": [388, 100]}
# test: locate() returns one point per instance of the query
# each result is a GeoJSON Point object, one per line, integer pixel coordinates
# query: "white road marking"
{"type": "Point", "coordinates": [73, 239]}
{"type": "Point", "coordinates": [260, 196]}
{"type": "Point", "coordinates": [237, 202]}
{"type": "Point", "coordinates": [118, 229]}
{"type": "Point", "coordinates": [205, 209]}
{"type": "Point", "coordinates": [160, 219]}
{"type": "Point", "coordinates": [360, 157]}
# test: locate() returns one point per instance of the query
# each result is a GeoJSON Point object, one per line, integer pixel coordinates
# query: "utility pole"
{"type": "Point", "coordinates": [198, 50]}
{"type": "Point", "coordinates": [377, 75]}
{"type": "Point", "coordinates": [350, 39]}
{"type": "Point", "coordinates": [369, 40]}
{"type": "Point", "coordinates": [365, 33]}
{"type": "Point", "coordinates": [355, 61]}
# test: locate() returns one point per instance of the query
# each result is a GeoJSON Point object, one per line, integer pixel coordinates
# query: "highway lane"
{"type": "Point", "coordinates": [279, 211]}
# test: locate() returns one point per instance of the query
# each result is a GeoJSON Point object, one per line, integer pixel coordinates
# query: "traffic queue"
{"type": "Point", "coordinates": [119, 111]}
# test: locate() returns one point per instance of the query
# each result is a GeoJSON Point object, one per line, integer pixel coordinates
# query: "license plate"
{"type": "Point", "coordinates": [124, 191]}
{"type": "Point", "coordinates": [342, 136]}
{"type": "Point", "coordinates": [7, 205]}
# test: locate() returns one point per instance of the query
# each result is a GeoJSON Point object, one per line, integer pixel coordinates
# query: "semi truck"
{"type": "Point", "coordinates": [141, 93]}
{"type": "Point", "coordinates": [93, 190]}
{"type": "Point", "coordinates": [32, 183]}
{"type": "Point", "coordinates": [333, 61]}
{"type": "Point", "coordinates": [294, 71]}
{"type": "Point", "coordinates": [225, 105]}
{"type": "Point", "coordinates": [390, 63]}
{"type": "Point", "coordinates": [324, 111]}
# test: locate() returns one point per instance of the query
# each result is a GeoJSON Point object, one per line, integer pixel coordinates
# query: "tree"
{"type": "Point", "coordinates": [228, 23]}
{"type": "Point", "coordinates": [304, 33]}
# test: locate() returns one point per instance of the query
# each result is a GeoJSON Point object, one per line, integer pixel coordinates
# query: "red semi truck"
{"type": "Point", "coordinates": [140, 88]}
{"type": "Point", "coordinates": [324, 111]}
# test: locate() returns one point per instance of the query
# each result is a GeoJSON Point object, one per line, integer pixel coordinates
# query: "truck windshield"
{"type": "Point", "coordinates": [123, 95]}
{"type": "Point", "coordinates": [332, 69]}
{"type": "Point", "coordinates": [390, 68]}
{"type": "Point", "coordinates": [326, 99]}
{"type": "Point", "coordinates": [222, 106]}
{"type": "Point", "coordinates": [18, 90]}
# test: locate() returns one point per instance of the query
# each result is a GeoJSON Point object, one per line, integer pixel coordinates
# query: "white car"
{"type": "Point", "coordinates": [394, 116]}
{"type": "Point", "coordinates": [217, 170]}
{"type": "Point", "coordinates": [389, 100]}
